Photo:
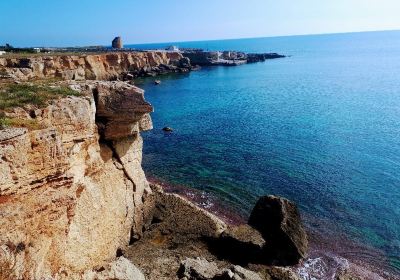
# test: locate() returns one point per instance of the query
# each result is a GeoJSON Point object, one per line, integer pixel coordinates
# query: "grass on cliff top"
{"type": "Point", "coordinates": [18, 95]}
{"type": "Point", "coordinates": [6, 122]}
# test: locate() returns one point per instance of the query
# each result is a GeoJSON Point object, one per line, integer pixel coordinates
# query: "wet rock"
{"type": "Point", "coordinates": [197, 269]}
{"type": "Point", "coordinates": [279, 222]}
{"type": "Point", "coordinates": [167, 129]}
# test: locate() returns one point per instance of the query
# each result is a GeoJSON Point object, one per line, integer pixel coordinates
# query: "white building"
{"type": "Point", "coordinates": [2, 52]}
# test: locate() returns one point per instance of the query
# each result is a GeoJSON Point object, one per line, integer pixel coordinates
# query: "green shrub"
{"type": "Point", "coordinates": [17, 95]}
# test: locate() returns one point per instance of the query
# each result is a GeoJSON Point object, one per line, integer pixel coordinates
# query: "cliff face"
{"type": "Point", "coordinates": [72, 193]}
{"type": "Point", "coordinates": [105, 66]}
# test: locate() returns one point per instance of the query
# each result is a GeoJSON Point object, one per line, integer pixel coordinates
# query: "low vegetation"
{"type": "Point", "coordinates": [18, 95]}
{"type": "Point", "coordinates": [30, 124]}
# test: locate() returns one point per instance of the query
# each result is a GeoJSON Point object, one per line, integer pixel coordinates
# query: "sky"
{"type": "Point", "coordinates": [96, 22]}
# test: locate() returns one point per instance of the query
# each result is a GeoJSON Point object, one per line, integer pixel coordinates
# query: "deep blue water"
{"type": "Point", "coordinates": [321, 127]}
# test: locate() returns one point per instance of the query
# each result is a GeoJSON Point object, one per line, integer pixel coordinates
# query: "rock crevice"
{"type": "Point", "coordinates": [71, 193]}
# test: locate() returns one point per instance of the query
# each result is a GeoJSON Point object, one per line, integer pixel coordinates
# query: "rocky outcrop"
{"type": "Point", "coordinates": [102, 66]}
{"type": "Point", "coordinates": [182, 217]}
{"type": "Point", "coordinates": [260, 57]}
{"type": "Point", "coordinates": [278, 220]}
{"type": "Point", "coordinates": [226, 58]}
{"type": "Point", "coordinates": [70, 197]}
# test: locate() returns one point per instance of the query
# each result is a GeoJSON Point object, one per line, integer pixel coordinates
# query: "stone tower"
{"type": "Point", "coordinates": [117, 43]}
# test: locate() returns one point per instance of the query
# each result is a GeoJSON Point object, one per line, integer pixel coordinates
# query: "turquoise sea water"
{"type": "Point", "coordinates": [321, 127]}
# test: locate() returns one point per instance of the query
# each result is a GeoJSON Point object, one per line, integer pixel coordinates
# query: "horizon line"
{"type": "Point", "coordinates": [261, 37]}
{"type": "Point", "coordinates": [223, 39]}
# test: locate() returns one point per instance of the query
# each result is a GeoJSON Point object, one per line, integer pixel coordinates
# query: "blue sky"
{"type": "Point", "coordinates": [96, 22]}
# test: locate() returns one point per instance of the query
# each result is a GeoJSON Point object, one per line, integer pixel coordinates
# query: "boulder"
{"type": "Point", "coordinates": [237, 273]}
{"type": "Point", "coordinates": [179, 216]}
{"type": "Point", "coordinates": [240, 244]}
{"type": "Point", "coordinates": [199, 268]}
{"type": "Point", "coordinates": [279, 222]}
{"type": "Point", "coordinates": [120, 269]}
{"type": "Point", "coordinates": [167, 129]}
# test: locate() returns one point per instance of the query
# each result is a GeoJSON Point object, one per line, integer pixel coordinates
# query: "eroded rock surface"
{"type": "Point", "coordinates": [69, 198]}
{"type": "Point", "coordinates": [103, 66]}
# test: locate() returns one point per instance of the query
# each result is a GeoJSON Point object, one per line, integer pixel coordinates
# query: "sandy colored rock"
{"type": "Point", "coordinates": [66, 206]}
{"type": "Point", "coordinates": [103, 66]}
{"type": "Point", "coordinates": [120, 269]}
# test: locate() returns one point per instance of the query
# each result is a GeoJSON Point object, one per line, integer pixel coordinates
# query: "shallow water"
{"type": "Point", "coordinates": [320, 127]}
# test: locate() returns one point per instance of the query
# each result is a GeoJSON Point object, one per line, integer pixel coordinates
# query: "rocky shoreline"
{"type": "Point", "coordinates": [324, 259]}
{"type": "Point", "coordinates": [75, 202]}
{"type": "Point", "coordinates": [226, 58]}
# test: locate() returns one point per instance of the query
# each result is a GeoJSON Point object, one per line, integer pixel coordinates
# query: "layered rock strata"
{"type": "Point", "coordinates": [103, 66]}
{"type": "Point", "coordinates": [71, 197]}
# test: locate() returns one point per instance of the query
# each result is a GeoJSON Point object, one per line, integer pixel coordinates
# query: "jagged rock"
{"type": "Point", "coordinates": [180, 216]}
{"type": "Point", "coordinates": [120, 110]}
{"type": "Point", "coordinates": [245, 235]}
{"type": "Point", "coordinates": [240, 243]}
{"type": "Point", "coordinates": [103, 66]}
{"type": "Point", "coordinates": [279, 222]}
{"type": "Point", "coordinates": [201, 269]}
{"type": "Point", "coordinates": [237, 273]}
{"type": "Point", "coordinates": [66, 207]}
{"type": "Point", "coordinates": [120, 269]}
{"type": "Point", "coordinates": [197, 269]}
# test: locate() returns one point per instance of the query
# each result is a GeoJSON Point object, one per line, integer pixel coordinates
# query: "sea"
{"type": "Point", "coordinates": [320, 127]}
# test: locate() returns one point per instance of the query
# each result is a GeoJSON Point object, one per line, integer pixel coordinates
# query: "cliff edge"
{"type": "Point", "coordinates": [71, 192]}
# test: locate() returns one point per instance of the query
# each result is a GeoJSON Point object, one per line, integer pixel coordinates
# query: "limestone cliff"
{"type": "Point", "coordinates": [102, 66]}
{"type": "Point", "coordinates": [71, 193]}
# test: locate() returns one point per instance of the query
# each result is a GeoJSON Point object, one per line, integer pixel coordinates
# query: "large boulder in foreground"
{"type": "Point", "coordinates": [279, 222]}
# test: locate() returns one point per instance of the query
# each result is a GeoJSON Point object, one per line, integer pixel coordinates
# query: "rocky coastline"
{"type": "Point", "coordinates": [226, 58]}
{"type": "Point", "coordinates": [75, 202]}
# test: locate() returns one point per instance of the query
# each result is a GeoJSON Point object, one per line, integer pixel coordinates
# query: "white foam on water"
{"type": "Point", "coordinates": [323, 267]}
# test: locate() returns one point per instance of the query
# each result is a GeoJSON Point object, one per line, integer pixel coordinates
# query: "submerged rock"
{"type": "Point", "coordinates": [279, 222]}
